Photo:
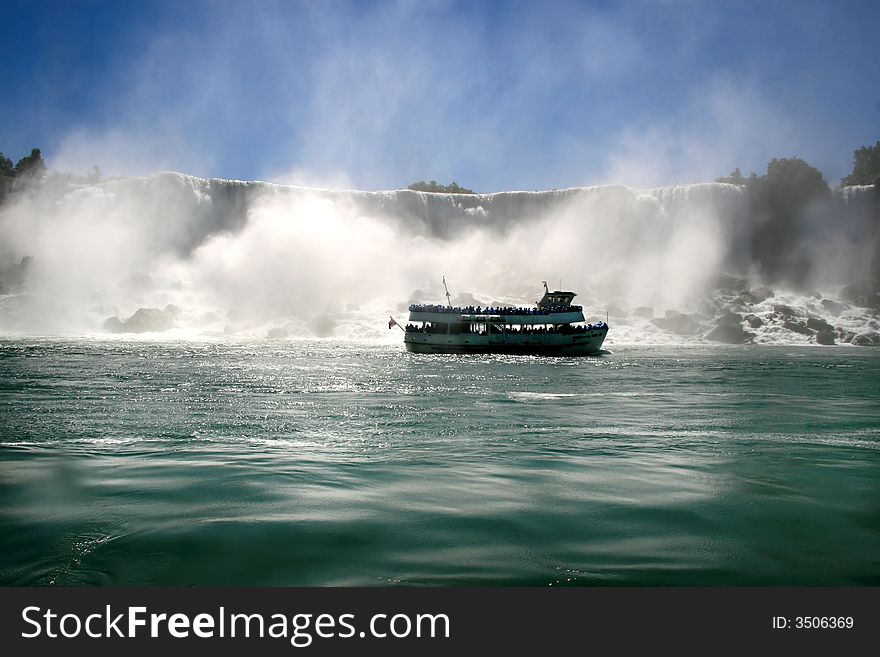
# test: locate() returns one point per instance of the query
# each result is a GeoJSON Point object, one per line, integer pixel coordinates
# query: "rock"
{"type": "Point", "coordinates": [754, 321]}
{"type": "Point", "coordinates": [785, 311]}
{"type": "Point", "coordinates": [730, 334]}
{"type": "Point", "coordinates": [144, 320]}
{"type": "Point", "coordinates": [818, 324]}
{"type": "Point", "coordinates": [868, 339]}
{"type": "Point", "coordinates": [865, 293]}
{"type": "Point", "coordinates": [679, 323]}
{"type": "Point", "coordinates": [148, 319]}
{"type": "Point", "coordinates": [114, 325]}
{"type": "Point", "coordinates": [727, 317]}
{"type": "Point", "coordinates": [644, 311]}
{"type": "Point", "coordinates": [833, 307]}
{"type": "Point", "coordinates": [760, 294]}
{"type": "Point", "coordinates": [846, 336]}
{"type": "Point", "coordinates": [277, 333]}
{"type": "Point", "coordinates": [797, 327]}
{"type": "Point", "coordinates": [825, 337]}
{"type": "Point", "coordinates": [323, 326]}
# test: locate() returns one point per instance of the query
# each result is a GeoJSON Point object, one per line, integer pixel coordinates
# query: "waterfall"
{"type": "Point", "coordinates": [232, 255]}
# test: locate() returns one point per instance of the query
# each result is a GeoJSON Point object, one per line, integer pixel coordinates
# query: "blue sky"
{"type": "Point", "coordinates": [494, 95]}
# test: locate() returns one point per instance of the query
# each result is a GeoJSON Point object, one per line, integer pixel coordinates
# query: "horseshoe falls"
{"type": "Point", "coordinates": [198, 386]}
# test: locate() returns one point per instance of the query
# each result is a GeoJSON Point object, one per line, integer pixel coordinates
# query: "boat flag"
{"type": "Point", "coordinates": [392, 323]}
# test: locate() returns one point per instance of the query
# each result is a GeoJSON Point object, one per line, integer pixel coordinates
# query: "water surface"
{"type": "Point", "coordinates": [338, 463]}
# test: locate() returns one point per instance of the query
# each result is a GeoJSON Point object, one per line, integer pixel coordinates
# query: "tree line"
{"type": "Point", "coordinates": [434, 186]}
{"type": "Point", "coordinates": [29, 165]}
{"type": "Point", "coordinates": [781, 199]}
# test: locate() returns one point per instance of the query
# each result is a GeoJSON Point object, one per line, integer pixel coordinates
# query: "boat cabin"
{"type": "Point", "coordinates": [558, 298]}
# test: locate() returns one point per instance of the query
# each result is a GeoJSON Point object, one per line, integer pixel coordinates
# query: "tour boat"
{"type": "Point", "coordinates": [553, 327]}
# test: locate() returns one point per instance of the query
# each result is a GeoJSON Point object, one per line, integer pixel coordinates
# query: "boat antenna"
{"type": "Point", "coordinates": [448, 302]}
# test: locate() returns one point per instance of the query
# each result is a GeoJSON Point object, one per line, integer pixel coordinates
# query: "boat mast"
{"type": "Point", "coordinates": [448, 302]}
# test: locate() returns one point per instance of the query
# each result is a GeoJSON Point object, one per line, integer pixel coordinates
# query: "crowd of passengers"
{"type": "Point", "coordinates": [479, 310]}
{"type": "Point", "coordinates": [565, 329]}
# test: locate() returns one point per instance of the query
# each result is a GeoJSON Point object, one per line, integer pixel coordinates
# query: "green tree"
{"type": "Point", "coordinates": [792, 184]}
{"type": "Point", "coordinates": [735, 178]}
{"type": "Point", "coordinates": [6, 166]}
{"type": "Point", "coordinates": [866, 167]}
{"type": "Point", "coordinates": [31, 165]}
{"type": "Point", "coordinates": [780, 202]}
{"type": "Point", "coordinates": [434, 186]}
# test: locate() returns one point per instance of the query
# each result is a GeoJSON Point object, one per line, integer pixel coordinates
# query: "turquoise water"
{"type": "Point", "coordinates": [334, 463]}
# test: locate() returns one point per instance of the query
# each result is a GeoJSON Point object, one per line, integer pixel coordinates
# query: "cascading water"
{"type": "Point", "coordinates": [218, 256]}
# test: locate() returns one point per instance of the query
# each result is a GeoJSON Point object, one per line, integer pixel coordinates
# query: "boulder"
{"type": "Point", "coordinates": [678, 323]}
{"type": "Point", "coordinates": [797, 327]}
{"type": "Point", "coordinates": [833, 307]}
{"type": "Point", "coordinates": [144, 320]}
{"type": "Point", "coordinates": [754, 321]}
{"type": "Point", "coordinates": [729, 318]}
{"type": "Point", "coordinates": [818, 324]}
{"type": "Point", "coordinates": [149, 319]}
{"type": "Point", "coordinates": [114, 325]}
{"type": "Point", "coordinates": [825, 337]}
{"type": "Point", "coordinates": [730, 334]}
{"type": "Point", "coordinates": [846, 336]}
{"type": "Point", "coordinates": [761, 293]}
{"type": "Point", "coordinates": [785, 311]}
{"type": "Point", "coordinates": [867, 339]}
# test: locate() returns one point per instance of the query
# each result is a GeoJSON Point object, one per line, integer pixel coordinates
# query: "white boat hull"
{"type": "Point", "coordinates": [539, 344]}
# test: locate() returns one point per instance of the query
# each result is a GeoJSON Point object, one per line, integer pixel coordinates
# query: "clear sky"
{"type": "Point", "coordinates": [495, 95]}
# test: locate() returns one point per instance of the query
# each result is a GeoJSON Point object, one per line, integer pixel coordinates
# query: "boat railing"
{"type": "Point", "coordinates": [566, 329]}
{"type": "Point", "coordinates": [491, 311]}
